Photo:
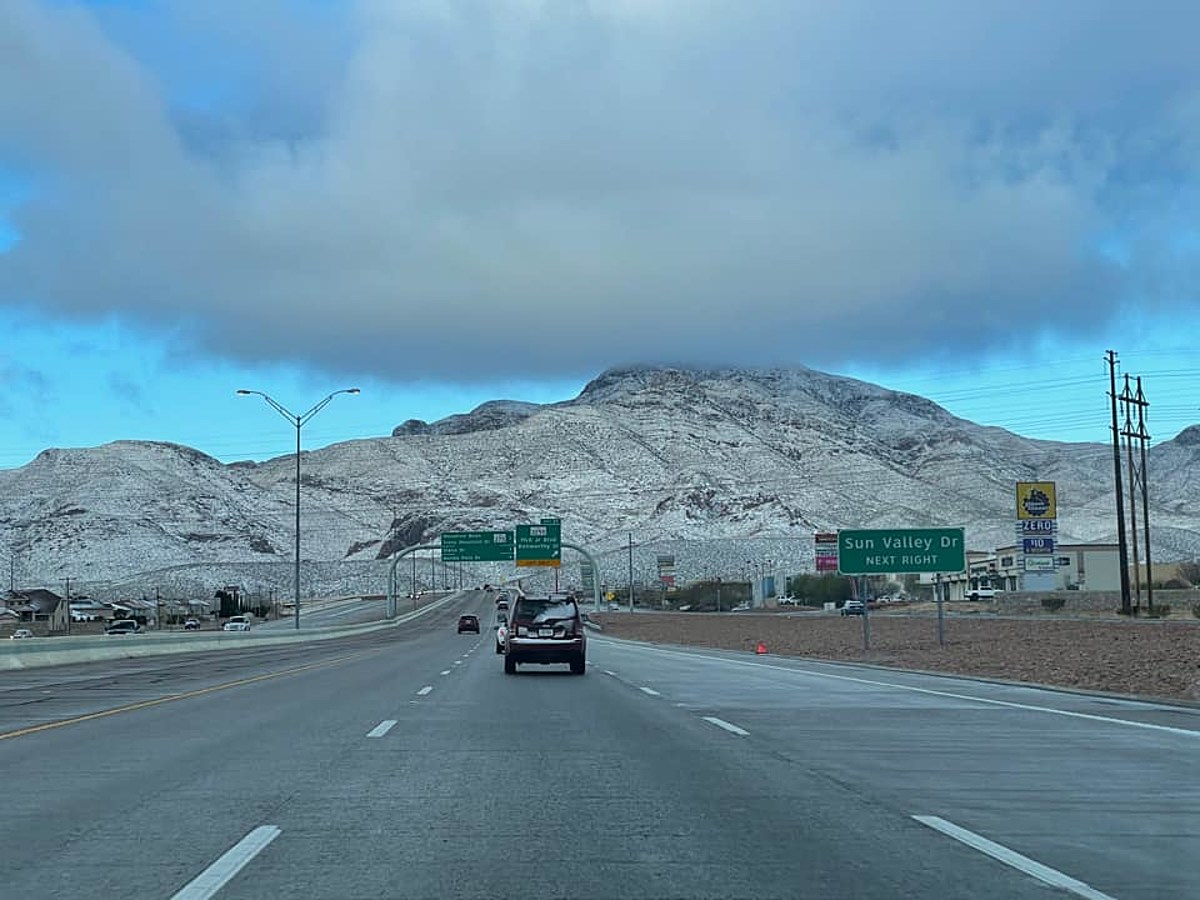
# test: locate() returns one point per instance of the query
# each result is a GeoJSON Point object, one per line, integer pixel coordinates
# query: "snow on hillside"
{"type": "Point", "coordinates": [724, 468]}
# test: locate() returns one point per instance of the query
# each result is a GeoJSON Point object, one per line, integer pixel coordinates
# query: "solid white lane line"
{"type": "Point", "coordinates": [228, 864]}
{"type": "Point", "coordinates": [728, 726]}
{"type": "Point", "coordinates": [650, 691]}
{"type": "Point", "coordinates": [382, 728]}
{"type": "Point", "coordinates": [1012, 858]}
{"type": "Point", "coordinates": [446, 672]}
{"type": "Point", "coordinates": [1149, 726]}
{"type": "Point", "coordinates": [425, 690]}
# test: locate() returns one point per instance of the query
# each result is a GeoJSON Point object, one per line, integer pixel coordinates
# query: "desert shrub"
{"type": "Point", "coordinates": [1053, 604]}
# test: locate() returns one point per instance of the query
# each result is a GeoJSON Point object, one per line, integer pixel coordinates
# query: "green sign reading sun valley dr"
{"type": "Point", "coordinates": [888, 551]}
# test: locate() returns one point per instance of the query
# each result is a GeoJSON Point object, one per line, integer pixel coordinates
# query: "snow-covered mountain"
{"type": "Point", "coordinates": [724, 469]}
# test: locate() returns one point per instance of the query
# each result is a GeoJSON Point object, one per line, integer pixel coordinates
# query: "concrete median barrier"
{"type": "Point", "coordinates": [59, 651]}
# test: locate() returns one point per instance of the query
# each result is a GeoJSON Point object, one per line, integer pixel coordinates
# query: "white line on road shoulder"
{"type": "Point", "coordinates": [728, 726]}
{"type": "Point", "coordinates": [608, 672]}
{"type": "Point", "coordinates": [651, 691]}
{"type": "Point", "coordinates": [1012, 858]}
{"type": "Point", "coordinates": [425, 690]}
{"type": "Point", "coordinates": [382, 728]}
{"type": "Point", "coordinates": [1132, 723]}
{"type": "Point", "coordinates": [228, 864]}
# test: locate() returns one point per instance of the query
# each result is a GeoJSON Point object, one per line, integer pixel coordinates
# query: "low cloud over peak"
{"type": "Point", "coordinates": [534, 189]}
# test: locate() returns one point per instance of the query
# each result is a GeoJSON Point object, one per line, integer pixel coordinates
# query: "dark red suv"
{"type": "Point", "coordinates": [547, 629]}
{"type": "Point", "coordinates": [468, 623]}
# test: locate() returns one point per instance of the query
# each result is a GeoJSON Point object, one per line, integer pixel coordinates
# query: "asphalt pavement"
{"type": "Point", "coordinates": [405, 764]}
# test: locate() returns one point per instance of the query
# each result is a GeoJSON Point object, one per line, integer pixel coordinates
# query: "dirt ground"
{"type": "Point", "coordinates": [1147, 658]}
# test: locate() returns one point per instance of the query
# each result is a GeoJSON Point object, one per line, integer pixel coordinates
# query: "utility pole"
{"type": "Point", "coordinates": [1122, 555]}
{"type": "Point", "coordinates": [158, 608]}
{"type": "Point", "coordinates": [631, 571]}
{"type": "Point", "coordinates": [1127, 433]}
{"type": "Point", "coordinates": [68, 602]}
{"type": "Point", "coordinates": [1137, 475]}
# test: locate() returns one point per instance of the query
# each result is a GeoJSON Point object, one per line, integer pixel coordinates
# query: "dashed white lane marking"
{"type": "Point", "coordinates": [425, 690]}
{"type": "Point", "coordinates": [607, 672]}
{"type": "Point", "coordinates": [651, 691]}
{"type": "Point", "coordinates": [728, 726]}
{"type": "Point", "coordinates": [1012, 858]}
{"type": "Point", "coordinates": [382, 728]}
{"type": "Point", "coordinates": [458, 662]}
{"type": "Point", "coordinates": [228, 864]}
{"type": "Point", "coordinates": [446, 672]}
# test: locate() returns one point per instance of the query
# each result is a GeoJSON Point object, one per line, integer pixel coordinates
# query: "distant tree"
{"type": "Point", "coordinates": [1189, 571]}
{"type": "Point", "coordinates": [229, 601]}
{"type": "Point", "coordinates": [817, 590]}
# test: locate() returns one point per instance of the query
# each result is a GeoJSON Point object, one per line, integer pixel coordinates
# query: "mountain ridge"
{"type": "Point", "coordinates": [688, 457]}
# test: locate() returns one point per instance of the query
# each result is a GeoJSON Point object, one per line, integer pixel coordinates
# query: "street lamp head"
{"type": "Point", "coordinates": [353, 391]}
{"type": "Point", "coordinates": [243, 391]}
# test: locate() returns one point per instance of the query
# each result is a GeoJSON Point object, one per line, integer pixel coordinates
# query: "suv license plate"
{"type": "Point", "coordinates": [545, 632]}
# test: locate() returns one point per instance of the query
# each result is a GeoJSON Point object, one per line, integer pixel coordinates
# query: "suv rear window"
{"type": "Point", "coordinates": [534, 610]}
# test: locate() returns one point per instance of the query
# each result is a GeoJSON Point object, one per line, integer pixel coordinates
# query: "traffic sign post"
{"type": "Point", "coordinates": [539, 545]}
{"type": "Point", "coordinates": [477, 546]}
{"type": "Point", "coordinates": [886, 551]}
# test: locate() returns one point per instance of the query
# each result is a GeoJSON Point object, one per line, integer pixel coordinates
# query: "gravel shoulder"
{"type": "Point", "coordinates": [1154, 659]}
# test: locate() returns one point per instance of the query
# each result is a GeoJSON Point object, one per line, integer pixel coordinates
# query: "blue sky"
{"type": "Point", "coordinates": [446, 203]}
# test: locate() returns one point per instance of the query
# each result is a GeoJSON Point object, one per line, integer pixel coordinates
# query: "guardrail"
{"type": "Point", "coordinates": [57, 651]}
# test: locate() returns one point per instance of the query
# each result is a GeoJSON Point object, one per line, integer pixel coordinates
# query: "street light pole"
{"type": "Point", "coordinates": [298, 421]}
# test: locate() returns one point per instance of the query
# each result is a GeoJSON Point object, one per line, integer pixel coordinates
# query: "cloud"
{"type": "Point", "coordinates": [526, 189]}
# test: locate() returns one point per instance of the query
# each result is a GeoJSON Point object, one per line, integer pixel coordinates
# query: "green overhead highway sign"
{"type": "Point", "coordinates": [477, 546]}
{"type": "Point", "coordinates": [539, 545]}
{"type": "Point", "coordinates": [886, 551]}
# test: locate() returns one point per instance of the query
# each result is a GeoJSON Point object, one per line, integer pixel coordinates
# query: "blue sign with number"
{"type": "Point", "coordinates": [1038, 545]}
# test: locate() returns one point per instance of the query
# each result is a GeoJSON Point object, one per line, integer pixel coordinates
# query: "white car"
{"type": "Point", "coordinates": [501, 636]}
{"type": "Point", "coordinates": [742, 607]}
{"type": "Point", "coordinates": [237, 623]}
{"type": "Point", "coordinates": [21, 633]}
{"type": "Point", "coordinates": [788, 601]}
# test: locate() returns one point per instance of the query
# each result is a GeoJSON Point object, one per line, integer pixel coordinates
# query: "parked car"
{"type": "Point", "coordinates": [123, 626]}
{"type": "Point", "coordinates": [20, 634]}
{"type": "Point", "coordinates": [788, 600]}
{"type": "Point", "coordinates": [854, 608]}
{"type": "Point", "coordinates": [191, 625]}
{"type": "Point", "coordinates": [983, 593]}
{"type": "Point", "coordinates": [237, 623]}
{"type": "Point", "coordinates": [468, 623]}
{"type": "Point", "coordinates": [545, 630]}
{"type": "Point", "coordinates": [741, 607]}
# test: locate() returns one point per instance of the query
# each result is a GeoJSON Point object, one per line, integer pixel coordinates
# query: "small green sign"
{"type": "Point", "coordinates": [887, 551]}
{"type": "Point", "coordinates": [477, 546]}
{"type": "Point", "coordinates": [539, 545]}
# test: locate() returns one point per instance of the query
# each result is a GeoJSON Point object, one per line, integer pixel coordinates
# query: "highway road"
{"type": "Point", "coordinates": [406, 764]}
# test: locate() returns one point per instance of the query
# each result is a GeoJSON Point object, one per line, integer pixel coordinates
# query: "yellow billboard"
{"type": "Point", "coordinates": [1036, 500]}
